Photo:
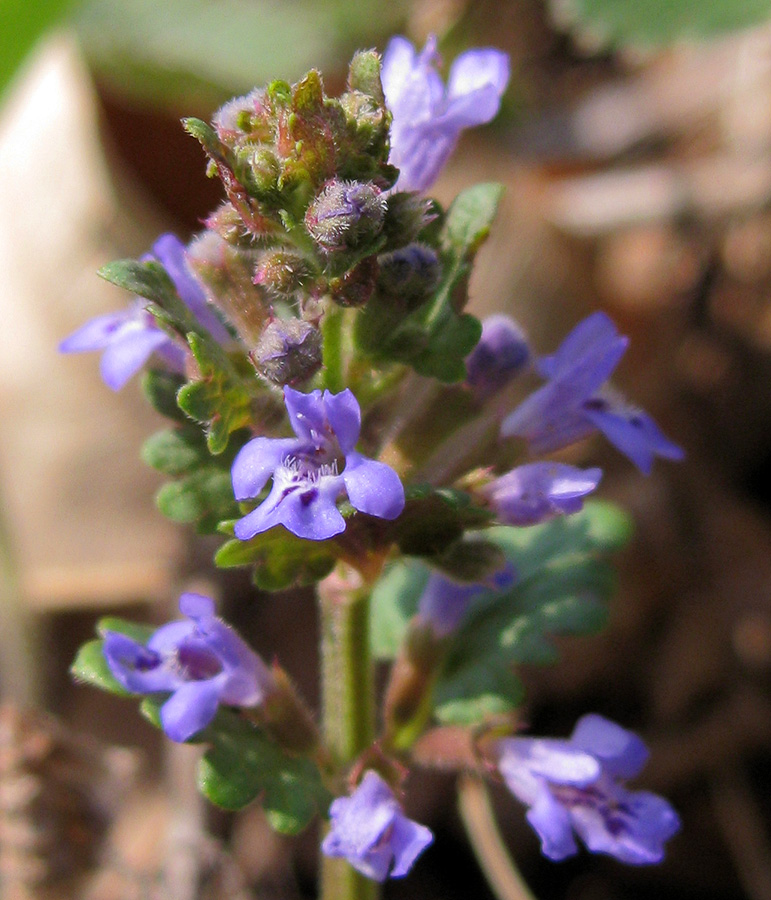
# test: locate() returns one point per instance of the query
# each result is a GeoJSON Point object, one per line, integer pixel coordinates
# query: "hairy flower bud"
{"type": "Point", "coordinates": [289, 352]}
{"type": "Point", "coordinates": [409, 275]}
{"type": "Point", "coordinates": [281, 272]}
{"type": "Point", "coordinates": [407, 215]}
{"type": "Point", "coordinates": [263, 168]}
{"type": "Point", "coordinates": [346, 215]}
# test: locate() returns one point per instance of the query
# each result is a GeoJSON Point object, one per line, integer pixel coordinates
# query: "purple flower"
{"type": "Point", "coordinates": [575, 400]}
{"type": "Point", "coordinates": [370, 830]}
{"type": "Point", "coordinates": [575, 786]}
{"type": "Point", "coordinates": [130, 336]}
{"type": "Point", "coordinates": [312, 470]}
{"type": "Point", "coordinates": [427, 117]}
{"type": "Point", "coordinates": [444, 603]}
{"type": "Point", "coordinates": [501, 353]}
{"type": "Point", "coordinates": [202, 662]}
{"type": "Point", "coordinates": [540, 491]}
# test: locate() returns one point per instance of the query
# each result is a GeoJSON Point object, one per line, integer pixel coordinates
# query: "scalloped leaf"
{"type": "Point", "coordinates": [280, 559]}
{"type": "Point", "coordinates": [243, 765]}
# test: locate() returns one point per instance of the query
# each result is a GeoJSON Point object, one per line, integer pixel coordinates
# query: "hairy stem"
{"type": "Point", "coordinates": [348, 702]}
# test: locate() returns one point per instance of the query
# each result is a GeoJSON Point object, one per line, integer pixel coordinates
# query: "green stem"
{"type": "Point", "coordinates": [333, 359]}
{"type": "Point", "coordinates": [348, 702]}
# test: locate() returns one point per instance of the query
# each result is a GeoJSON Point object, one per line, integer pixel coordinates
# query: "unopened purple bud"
{"type": "Point", "coordinates": [288, 352]}
{"type": "Point", "coordinates": [409, 275]}
{"type": "Point", "coordinates": [502, 353]}
{"type": "Point", "coordinates": [346, 215]}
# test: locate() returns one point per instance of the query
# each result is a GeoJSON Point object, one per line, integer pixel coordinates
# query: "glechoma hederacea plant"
{"type": "Point", "coordinates": [340, 418]}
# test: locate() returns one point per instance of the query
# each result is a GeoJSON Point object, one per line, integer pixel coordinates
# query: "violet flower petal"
{"type": "Point", "coordinates": [622, 753]}
{"type": "Point", "coordinates": [95, 334]}
{"type": "Point", "coordinates": [190, 709]}
{"type": "Point", "coordinates": [306, 413]}
{"type": "Point", "coordinates": [344, 416]}
{"type": "Point", "coordinates": [539, 491]}
{"type": "Point", "coordinates": [172, 254]}
{"type": "Point", "coordinates": [255, 463]}
{"type": "Point", "coordinates": [125, 356]}
{"type": "Point", "coordinates": [552, 824]}
{"type": "Point", "coordinates": [373, 487]}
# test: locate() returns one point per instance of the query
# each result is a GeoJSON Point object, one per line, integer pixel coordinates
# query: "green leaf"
{"type": "Point", "coordinates": [22, 27]}
{"type": "Point", "coordinates": [137, 631]}
{"type": "Point", "coordinates": [434, 519]}
{"type": "Point", "coordinates": [204, 497]}
{"type": "Point", "coordinates": [280, 559]}
{"type": "Point", "coordinates": [90, 667]}
{"type": "Point", "coordinates": [470, 695]}
{"type": "Point", "coordinates": [471, 561]}
{"type": "Point", "coordinates": [470, 217]}
{"type": "Point", "coordinates": [175, 451]}
{"type": "Point", "coordinates": [654, 22]}
{"type": "Point", "coordinates": [243, 765]}
{"type": "Point", "coordinates": [194, 54]}
{"type": "Point", "coordinates": [444, 357]}
{"type": "Point", "coordinates": [150, 280]}
{"type": "Point", "coordinates": [160, 388]}
{"type": "Point", "coordinates": [600, 528]}
{"type": "Point", "coordinates": [394, 602]}
{"type": "Point", "coordinates": [564, 581]}
{"type": "Point", "coordinates": [218, 399]}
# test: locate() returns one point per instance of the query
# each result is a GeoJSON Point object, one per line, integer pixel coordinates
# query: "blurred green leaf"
{"type": "Point", "coordinates": [190, 54]}
{"type": "Point", "coordinates": [563, 582]}
{"type": "Point", "coordinates": [90, 667]}
{"type": "Point", "coordinates": [204, 497]}
{"type": "Point", "coordinates": [21, 25]}
{"type": "Point", "coordinates": [655, 22]}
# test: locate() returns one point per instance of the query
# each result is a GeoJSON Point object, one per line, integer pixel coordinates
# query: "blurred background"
{"type": "Point", "coordinates": [635, 144]}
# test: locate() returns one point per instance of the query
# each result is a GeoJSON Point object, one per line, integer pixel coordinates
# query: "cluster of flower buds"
{"type": "Point", "coordinates": [334, 404]}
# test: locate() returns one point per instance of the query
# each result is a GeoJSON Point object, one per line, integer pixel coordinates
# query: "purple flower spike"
{"type": "Point", "coordinates": [427, 117]}
{"type": "Point", "coordinates": [370, 830]}
{"type": "Point", "coordinates": [444, 603]}
{"type": "Point", "coordinates": [574, 786]}
{"type": "Point", "coordinates": [575, 401]}
{"type": "Point", "coordinates": [130, 336]}
{"type": "Point", "coordinates": [501, 353]}
{"type": "Point", "coordinates": [312, 470]}
{"type": "Point", "coordinates": [540, 491]}
{"type": "Point", "coordinates": [201, 662]}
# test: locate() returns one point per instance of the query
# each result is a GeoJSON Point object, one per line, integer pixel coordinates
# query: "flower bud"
{"type": "Point", "coordinates": [346, 215]}
{"type": "Point", "coordinates": [288, 352]}
{"type": "Point", "coordinates": [281, 272]}
{"type": "Point", "coordinates": [228, 224]}
{"type": "Point", "coordinates": [501, 353]}
{"type": "Point", "coordinates": [356, 286]}
{"type": "Point", "coordinates": [407, 215]}
{"type": "Point", "coordinates": [263, 168]}
{"type": "Point", "coordinates": [409, 275]}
